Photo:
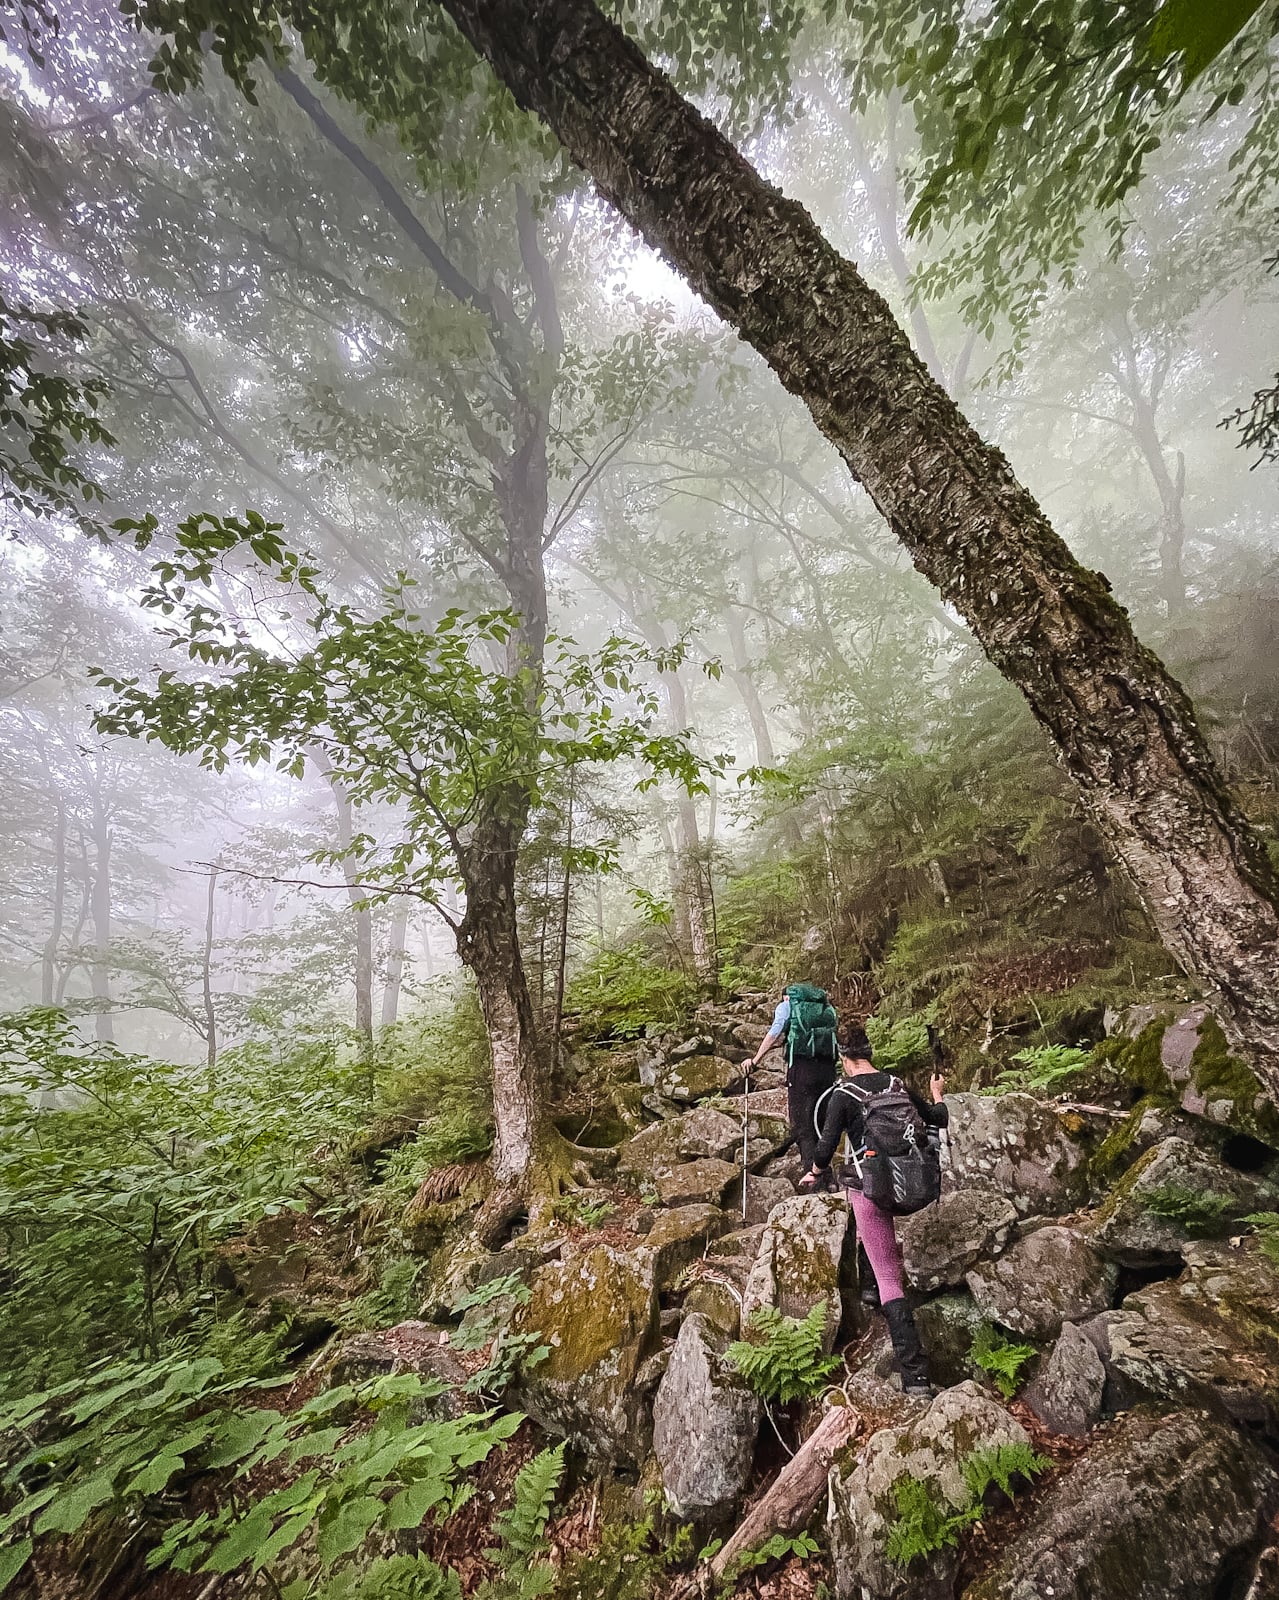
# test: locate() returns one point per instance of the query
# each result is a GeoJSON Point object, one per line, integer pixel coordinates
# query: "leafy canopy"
{"type": "Point", "coordinates": [400, 710]}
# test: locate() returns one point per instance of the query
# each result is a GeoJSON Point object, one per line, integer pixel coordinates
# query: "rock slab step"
{"type": "Point", "coordinates": [1052, 1276]}
{"type": "Point", "coordinates": [942, 1241]}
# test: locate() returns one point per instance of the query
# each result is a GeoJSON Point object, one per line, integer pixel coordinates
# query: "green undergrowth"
{"type": "Point", "coordinates": [1199, 1213]}
{"type": "Point", "coordinates": [625, 992]}
{"type": "Point", "coordinates": [1266, 1226]}
{"type": "Point", "coordinates": [1000, 1358]}
{"type": "Point", "coordinates": [925, 1524]}
{"type": "Point", "coordinates": [781, 1358]}
{"type": "Point", "coordinates": [433, 1069]}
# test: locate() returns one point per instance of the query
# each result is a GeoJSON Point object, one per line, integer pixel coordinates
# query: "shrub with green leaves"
{"type": "Point", "coordinates": [1266, 1226]}
{"type": "Point", "coordinates": [801, 1546]}
{"type": "Point", "coordinates": [781, 1358]}
{"type": "Point", "coordinates": [1199, 1213]}
{"type": "Point", "coordinates": [624, 992]}
{"type": "Point", "coordinates": [1001, 1358]}
{"type": "Point", "coordinates": [1041, 1069]}
{"type": "Point", "coordinates": [629, 1564]}
{"type": "Point", "coordinates": [899, 1046]}
{"type": "Point", "coordinates": [925, 1524]}
{"type": "Point", "coordinates": [120, 1175]}
{"type": "Point", "coordinates": [114, 1446]}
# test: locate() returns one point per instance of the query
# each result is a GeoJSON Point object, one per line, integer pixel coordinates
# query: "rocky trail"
{"type": "Point", "coordinates": [1100, 1313]}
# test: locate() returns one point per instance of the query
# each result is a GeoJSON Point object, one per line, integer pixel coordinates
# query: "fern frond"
{"type": "Point", "coordinates": [521, 1528]}
{"type": "Point", "coordinates": [783, 1359]}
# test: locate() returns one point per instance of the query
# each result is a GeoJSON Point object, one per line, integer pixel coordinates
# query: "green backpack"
{"type": "Point", "coordinates": [811, 1029]}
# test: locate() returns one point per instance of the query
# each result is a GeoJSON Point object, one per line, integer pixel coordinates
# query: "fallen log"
{"type": "Point", "coordinates": [795, 1491]}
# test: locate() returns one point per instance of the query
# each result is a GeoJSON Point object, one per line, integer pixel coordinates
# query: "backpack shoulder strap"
{"type": "Point", "coordinates": [857, 1093]}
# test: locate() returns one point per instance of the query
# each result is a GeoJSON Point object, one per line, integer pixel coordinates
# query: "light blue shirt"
{"type": "Point", "coordinates": [781, 1016]}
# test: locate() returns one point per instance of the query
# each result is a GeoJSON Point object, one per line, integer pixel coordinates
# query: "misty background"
{"type": "Point", "coordinates": [271, 332]}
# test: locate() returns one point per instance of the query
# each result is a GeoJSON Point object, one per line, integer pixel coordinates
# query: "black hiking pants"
{"type": "Point", "coordinates": [807, 1080]}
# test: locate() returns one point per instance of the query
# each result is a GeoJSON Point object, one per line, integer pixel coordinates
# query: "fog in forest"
{"type": "Point", "coordinates": [639, 799]}
{"type": "Point", "coordinates": [281, 309]}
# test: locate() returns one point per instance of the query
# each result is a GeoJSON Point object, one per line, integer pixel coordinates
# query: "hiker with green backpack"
{"type": "Point", "coordinates": [807, 1021]}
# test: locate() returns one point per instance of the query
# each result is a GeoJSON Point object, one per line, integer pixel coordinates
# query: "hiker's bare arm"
{"type": "Point", "coordinates": [771, 1039]}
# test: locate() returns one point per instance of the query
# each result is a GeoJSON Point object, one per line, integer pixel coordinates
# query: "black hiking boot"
{"type": "Point", "coordinates": [866, 1278]}
{"type": "Point", "coordinates": [911, 1360]}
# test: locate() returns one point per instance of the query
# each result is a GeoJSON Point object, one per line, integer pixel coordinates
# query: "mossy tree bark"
{"type": "Point", "coordinates": [1123, 727]}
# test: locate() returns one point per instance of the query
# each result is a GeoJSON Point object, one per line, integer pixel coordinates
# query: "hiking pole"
{"type": "Point", "coordinates": [746, 1101]}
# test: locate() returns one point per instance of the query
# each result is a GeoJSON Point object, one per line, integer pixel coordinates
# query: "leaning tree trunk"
{"type": "Point", "coordinates": [1123, 727]}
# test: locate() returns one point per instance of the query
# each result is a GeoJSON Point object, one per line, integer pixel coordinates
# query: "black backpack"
{"type": "Point", "coordinates": [899, 1168]}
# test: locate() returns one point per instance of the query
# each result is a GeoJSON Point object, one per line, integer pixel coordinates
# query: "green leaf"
{"type": "Point", "coordinates": [13, 1558]}
{"type": "Point", "coordinates": [1198, 30]}
{"type": "Point", "coordinates": [348, 1529]}
{"type": "Point", "coordinates": [71, 1510]}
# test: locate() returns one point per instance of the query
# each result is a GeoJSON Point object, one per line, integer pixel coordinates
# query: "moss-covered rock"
{"type": "Point", "coordinates": [1211, 1082]}
{"type": "Point", "coordinates": [942, 1241]}
{"type": "Point", "coordinates": [1162, 1509]}
{"type": "Point", "coordinates": [1180, 1056]}
{"type": "Point", "coordinates": [718, 1302]}
{"type": "Point", "coordinates": [705, 1420]}
{"type": "Point", "coordinates": [1210, 1337]}
{"type": "Point", "coordinates": [1171, 1195]}
{"type": "Point", "coordinates": [698, 1134]}
{"type": "Point", "coordinates": [696, 1077]}
{"type": "Point", "coordinates": [703, 1182]}
{"type": "Point", "coordinates": [947, 1325]}
{"type": "Point", "coordinates": [597, 1311]}
{"type": "Point", "coordinates": [799, 1259]}
{"type": "Point", "coordinates": [931, 1447]}
{"type": "Point", "coordinates": [1067, 1394]}
{"type": "Point", "coordinates": [677, 1237]}
{"type": "Point", "coordinates": [1151, 1120]}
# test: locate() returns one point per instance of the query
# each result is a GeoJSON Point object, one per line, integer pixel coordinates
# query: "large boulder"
{"type": "Point", "coordinates": [763, 1196]}
{"type": "Point", "coordinates": [705, 1420]}
{"type": "Point", "coordinates": [1209, 1337]}
{"type": "Point", "coordinates": [597, 1311]}
{"type": "Point", "coordinates": [1067, 1395]}
{"type": "Point", "coordinates": [862, 1507]}
{"type": "Point", "coordinates": [942, 1241]}
{"type": "Point", "coordinates": [1162, 1509]}
{"type": "Point", "coordinates": [1052, 1276]}
{"type": "Point", "coordinates": [679, 1236]}
{"type": "Point", "coordinates": [695, 1182]}
{"type": "Point", "coordinates": [1021, 1147]}
{"type": "Point", "coordinates": [702, 1132]}
{"type": "Point", "coordinates": [798, 1263]}
{"type": "Point", "coordinates": [1183, 1049]}
{"type": "Point", "coordinates": [696, 1077]}
{"type": "Point", "coordinates": [1168, 1197]}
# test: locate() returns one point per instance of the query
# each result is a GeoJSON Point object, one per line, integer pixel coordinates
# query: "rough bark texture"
{"type": "Point", "coordinates": [488, 944]}
{"type": "Point", "coordinates": [1124, 728]}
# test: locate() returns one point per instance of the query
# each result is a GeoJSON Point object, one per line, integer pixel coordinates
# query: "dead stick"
{"type": "Point", "coordinates": [797, 1488]}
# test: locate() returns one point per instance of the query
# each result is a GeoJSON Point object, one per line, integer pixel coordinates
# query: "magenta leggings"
{"type": "Point", "coordinates": [879, 1240]}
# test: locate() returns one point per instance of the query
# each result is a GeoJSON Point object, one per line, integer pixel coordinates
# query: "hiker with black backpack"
{"type": "Point", "coordinates": [895, 1170]}
{"type": "Point", "coordinates": [807, 1021]}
